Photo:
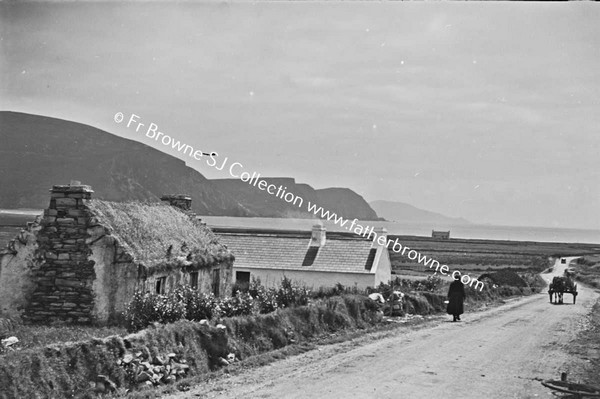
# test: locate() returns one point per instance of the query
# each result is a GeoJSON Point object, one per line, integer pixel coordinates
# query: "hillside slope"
{"type": "Point", "coordinates": [402, 212]}
{"type": "Point", "coordinates": [345, 202]}
{"type": "Point", "coordinates": [342, 201]}
{"type": "Point", "coordinates": [267, 205]}
{"type": "Point", "coordinates": [37, 152]}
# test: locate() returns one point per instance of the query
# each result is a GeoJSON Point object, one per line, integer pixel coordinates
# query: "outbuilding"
{"type": "Point", "coordinates": [311, 258]}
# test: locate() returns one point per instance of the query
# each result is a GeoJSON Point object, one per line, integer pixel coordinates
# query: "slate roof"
{"type": "Point", "coordinates": [286, 251]}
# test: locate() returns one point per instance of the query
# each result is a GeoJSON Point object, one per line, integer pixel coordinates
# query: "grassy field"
{"type": "Point", "coordinates": [587, 344]}
{"type": "Point", "coordinates": [587, 270]}
{"type": "Point", "coordinates": [478, 256]}
{"type": "Point", "coordinates": [471, 255]}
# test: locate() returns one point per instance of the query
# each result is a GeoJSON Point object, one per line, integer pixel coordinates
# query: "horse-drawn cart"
{"type": "Point", "coordinates": [560, 286]}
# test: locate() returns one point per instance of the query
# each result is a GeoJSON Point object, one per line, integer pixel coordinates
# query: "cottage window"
{"type": "Point", "coordinates": [194, 280]}
{"type": "Point", "coordinates": [242, 280]}
{"type": "Point", "coordinates": [161, 285]}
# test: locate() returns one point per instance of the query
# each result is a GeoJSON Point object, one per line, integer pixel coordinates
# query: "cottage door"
{"type": "Point", "coordinates": [216, 281]}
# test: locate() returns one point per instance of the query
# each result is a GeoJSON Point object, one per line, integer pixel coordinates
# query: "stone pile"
{"type": "Point", "coordinates": [7, 344]}
{"type": "Point", "coordinates": [141, 369]}
{"type": "Point", "coordinates": [64, 279]}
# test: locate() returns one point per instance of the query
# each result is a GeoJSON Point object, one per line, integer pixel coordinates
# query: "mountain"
{"type": "Point", "coordinates": [267, 205]}
{"type": "Point", "coordinates": [342, 201]}
{"type": "Point", "coordinates": [37, 152]}
{"type": "Point", "coordinates": [401, 212]}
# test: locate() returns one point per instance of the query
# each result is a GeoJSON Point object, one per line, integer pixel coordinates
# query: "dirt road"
{"type": "Point", "coordinates": [498, 353]}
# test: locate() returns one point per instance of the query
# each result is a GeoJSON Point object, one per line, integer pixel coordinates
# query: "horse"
{"type": "Point", "coordinates": [557, 289]}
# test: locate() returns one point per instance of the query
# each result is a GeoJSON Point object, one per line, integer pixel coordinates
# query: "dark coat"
{"type": "Point", "coordinates": [456, 297]}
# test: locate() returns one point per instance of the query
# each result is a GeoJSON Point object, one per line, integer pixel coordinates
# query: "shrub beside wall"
{"type": "Point", "coordinates": [187, 303]}
{"type": "Point", "coordinates": [67, 370]}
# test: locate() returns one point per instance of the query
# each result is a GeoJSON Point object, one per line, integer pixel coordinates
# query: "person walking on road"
{"type": "Point", "coordinates": [456, 297]}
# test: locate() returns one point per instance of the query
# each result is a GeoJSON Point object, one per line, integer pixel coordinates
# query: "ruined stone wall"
{"type": "Point", "coordinates": [69, 267]}
{"type": "Point", "coordinates": [64, 280]}
{"type": "Point", "coordinates": [117, 276]}
{"type": "Point", "coordinates": [17, 263]}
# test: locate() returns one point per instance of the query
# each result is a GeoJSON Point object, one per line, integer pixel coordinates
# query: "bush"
{"type": "Point", "coordinates": [198, 305]}
{"type": "Point", "coordinates": [585, 261]}
{"type": "Point", "coordinates": [430, 284]}
{"type": "Point", "coordinates": [290, 294]}
{"type": "Point", "coordinates": [145, 309]}
{"type": "Point", "coordinates": [182, 303]}
{"type": "Point", "coordinates": [504, 277]}
{"type": "Point", "coordinates": [266, 299]}
{"type": "Point", "coordinates": [239, 305]}
{"type": "Point", "coordinates": [187, 303]}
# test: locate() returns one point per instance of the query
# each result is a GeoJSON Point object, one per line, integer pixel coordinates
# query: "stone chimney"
{"type": "Point", "coordinates": [317, 238]}
{"type": "Point", "coordinates": [381, 239]}
{"type": "Point", "coordinates": [64, 279]}
{"type": "Point", "coordinates": [68, 197]}
{"type": "Point", "coordinates": [181, 201]}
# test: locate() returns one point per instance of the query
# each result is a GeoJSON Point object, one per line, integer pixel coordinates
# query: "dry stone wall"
{"type": "Point", "coordinates": [64, 280]}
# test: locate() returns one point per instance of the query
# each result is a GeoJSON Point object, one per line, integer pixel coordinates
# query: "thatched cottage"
{"type": "Point", "coordinates": [84, 258]}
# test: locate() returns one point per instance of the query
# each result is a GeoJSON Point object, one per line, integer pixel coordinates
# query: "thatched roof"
{"type": "Point", "coordinates": [158, 235]}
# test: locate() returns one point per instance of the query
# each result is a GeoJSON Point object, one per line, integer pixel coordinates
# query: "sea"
{"type": "Point", "coordinates": [12, 220]}
{"type": "Point", "coordinates": [470, 231]}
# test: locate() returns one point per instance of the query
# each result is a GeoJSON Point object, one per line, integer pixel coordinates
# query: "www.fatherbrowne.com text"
{"type": "Point", "coordinates": [237, 170]}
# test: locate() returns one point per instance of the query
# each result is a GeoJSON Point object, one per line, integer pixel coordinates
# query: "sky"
{"type": "Point", "coordinates": [487, 111]}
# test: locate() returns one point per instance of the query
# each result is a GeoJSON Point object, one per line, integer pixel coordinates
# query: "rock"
{"type": "Point", "coordinates": [221, 327]}
{"type": "Point", "coordinates": [143, 377]}
{"type": "Point", "coordinates": [179, 369]}
{"type": "Point", "coordinates": [146, 365]}
{"type": "Point", "coordinates": [108, 384]}
{"type": "Point", "coordinates": [9, 341]}
{"type": "Point", "coordinates": [170, 379]}
{"type": "Point", "coordinates": [377, 297]}
{"type": "Point", "coordinates": [223, 362]}
{"type": "Point", "coordinates": [162, 369]}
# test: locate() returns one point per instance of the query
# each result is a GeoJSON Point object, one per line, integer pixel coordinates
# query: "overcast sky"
{"type": "Point", "coordinates": [489, 111]}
